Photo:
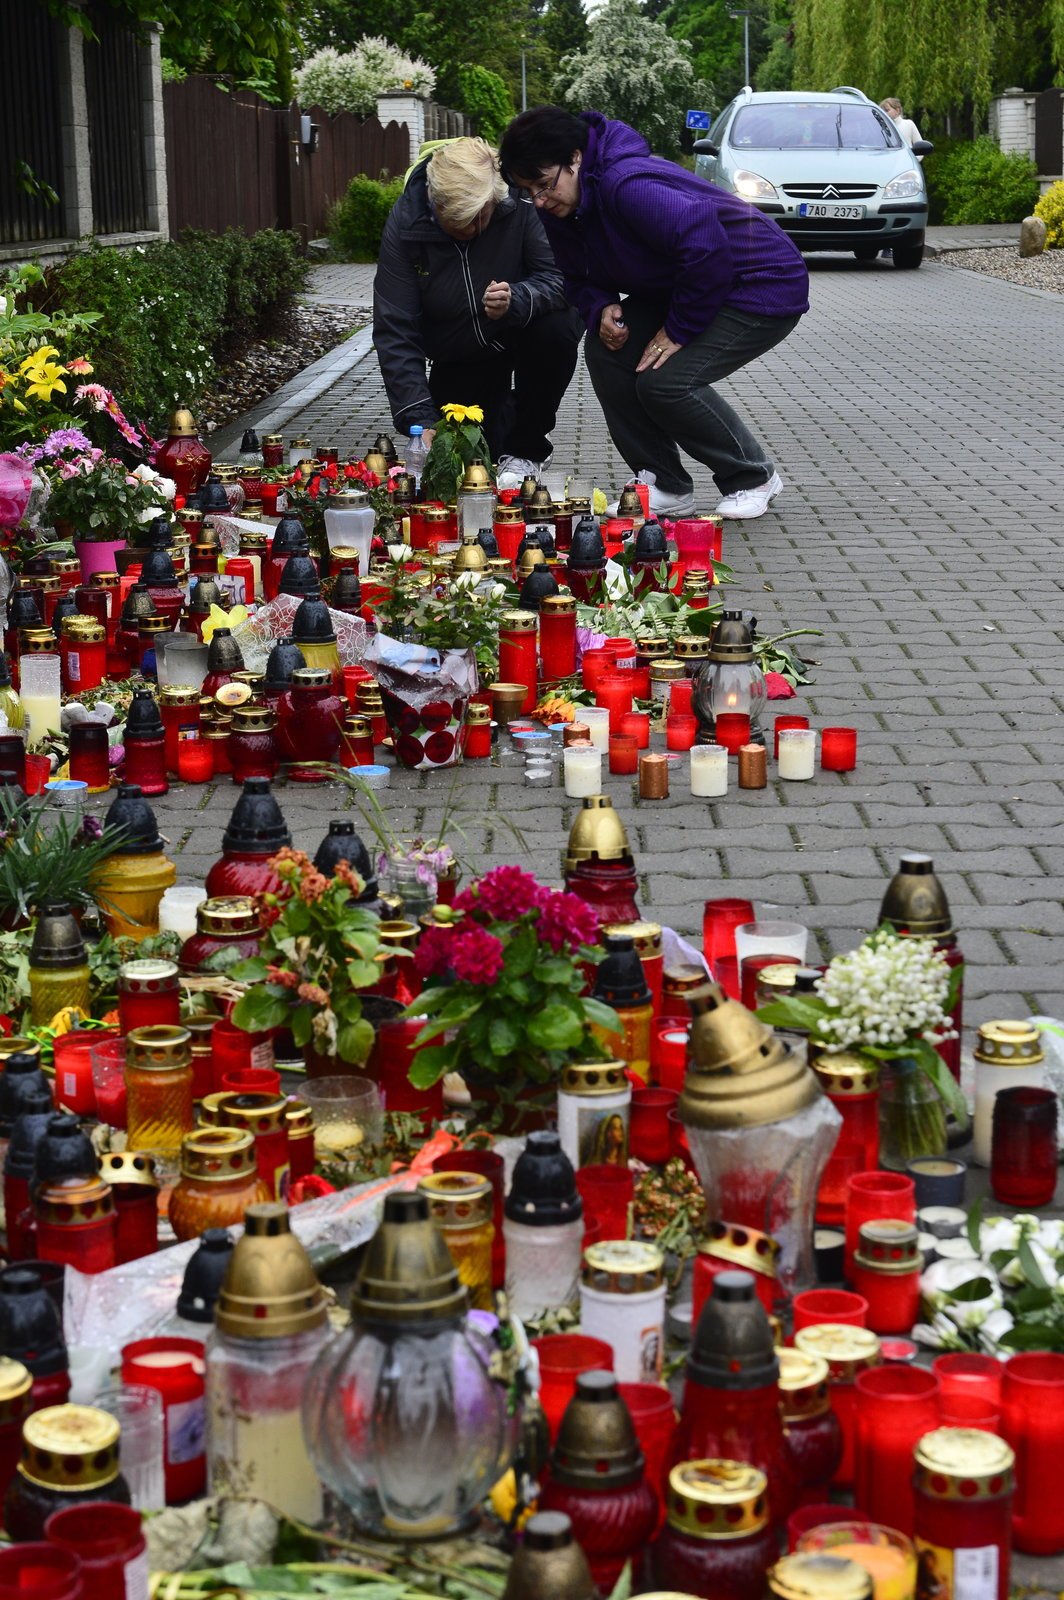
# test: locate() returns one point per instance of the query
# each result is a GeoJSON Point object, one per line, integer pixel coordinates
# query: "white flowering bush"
{"type": "Point", "coordinates": [351, 80]}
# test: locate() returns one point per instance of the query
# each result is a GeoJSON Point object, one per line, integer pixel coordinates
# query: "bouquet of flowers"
{"type": "Point", "coordinates": [890, 999]}
{"type": "Point", "coordinates": [309, 493]}
{"type": "Point", "coordinates": [504, 986]}
{"type": "Point", "coordinates": [98, 495]}
{"type": "Point", "coordinates": [1008, 1297]}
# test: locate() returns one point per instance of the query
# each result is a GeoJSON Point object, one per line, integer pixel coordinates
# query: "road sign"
{"type": "Point", "coordinates": [698, 119]}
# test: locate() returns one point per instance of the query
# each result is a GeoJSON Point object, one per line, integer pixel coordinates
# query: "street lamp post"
{"type": "Point", "coordinates": [736, 11]}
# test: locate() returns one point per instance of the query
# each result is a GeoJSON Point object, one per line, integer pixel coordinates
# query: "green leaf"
{"type": "Point", "coordinates": [253, 970]}
{"type": "Point", "coordinates": [1030, 1300]}
{"type": "Point", "coordinates": [430, 1064]}
{"type": "Point", "coordinates": [521, 952]}
{"type": "Point", "coordinates": [936, 1071]}
{"type": "Point", "coordinates": [555, 970]}
{"type": "Point", "coordinates": [555, 1028]}
{"type": "Point", "coordinates": [504, 1035]}
{"type": "Point", "coordinates": [601, 1015]}
{"type": "Point", "coordinates": [974, 1289]}
{"type": "Point", "coordinates": [975, 1222]}
{"type": "Point", "coordinates": [362, 974]}
{"type": "Point", "coordinates": [301, 1024]}
{"type": "Point", "coordinates": [622, 1589]}
{"type": "Point", "coordinates": [1033, 1336]}
{"type": "Point", "coordinates": [1029, 1262]}
{"type": "Point", "coordinates": [354, 1041]}
{"type": "Point", "coordinates": [804, 1011]}
{"type": "Point", "coordinates": [265, 1006]}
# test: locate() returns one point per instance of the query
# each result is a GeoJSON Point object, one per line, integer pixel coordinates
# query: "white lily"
{"type": "Point", "coordinates": [994, 1329]}
{"type": "Point", "coordinates": [973, 1313]}
{"type": "Point", "coordinates": [943, 1278]}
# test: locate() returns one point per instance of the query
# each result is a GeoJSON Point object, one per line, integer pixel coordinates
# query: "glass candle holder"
{"type": "Point", "coordinates": [1023, 1152]}
{"type": "Point", "coordinates": [895, 1407]}
{"type": "Point", "coordinates": [1032, 1421]}
{"type": "Point", "coordinates": [89, 756]}
{"type": "Point", "coordinates": [885, 1553]}
{"type": "Point", "coordinates": [109, 1544]}
{"type": "Point", "coordinates": [177, 908]}
{"type": "Point", "coordinates": [962, 1372]}
{"type": "Point", "coordinates": [597, 719]}
{"type": "Point", "coordinates": [636, 725]}
{"type": "Point", "coordinates": [837, 1306]}
{"type": "Point", "coordinates": [781, 723]}
{"type": "Point", "coordinates": [562, 1357]}
{"type": "Point", "coordinates": [195, 760]}
{"type": "Point", "coordinates": [681, 730]}
{"type": "Point", "coordinates": [109, 1079]}
{"type": "Point", "coordinates": [838, 749]}
{"type": "Point", "coordinates": [176, 1369]}
{"type": "Point", "coordinates": [487, 1164]}
{"type": "Point", "coordinates": [39, 692]}
{"type": "Point", "coordinates": [797, 754]}
{"type": "Point", "coordinates": [848, 1351]}
{"type": "Point", "coordinates": [874, 1195]}
{"type": "Point", "coordinates": [614, 693]}
{"type": "Point", "coordinates": [624, 754]}
{"type": "Point", "coordinates": [582, 772]}
{"type": "Point", "coordinates": [720, 919]}
{"type": "Point", "coordinates": [348, 1114]}
{"type": "Point", "coordinates": [959, 1410]}
{"type": "Point", "coordinates": [731, 729]}
{"type": "Point", "coordinates": [763, 944]}
{"type": "Point", "coordinates": [649, 1134]}
{"type": "Point", "coordinates": [607, 1193]}
{"type": "Point", "coordinates": [709, 771]}
{"type": "Point", "coordinates": [622, 1300]}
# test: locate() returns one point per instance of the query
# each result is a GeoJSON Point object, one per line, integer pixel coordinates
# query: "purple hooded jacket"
{"type": "Point", "coordinates": [647, 227]}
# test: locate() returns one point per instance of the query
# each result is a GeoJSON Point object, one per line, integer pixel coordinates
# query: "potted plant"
{"type": "Point", "coordinates": [504, 992]}
{"type": "Point", "coordinates": [97, 501]}
{"type": "Point", "coordinates": [459, 440]}
{"type": "Point", "coordinates": [318, 951]}
{"type": "Point", "coordinates": [441, 641]}
{"type": "Point", "coordinates": [47, 854]}
{"type": "Point", "coordinates": [890, 1000]}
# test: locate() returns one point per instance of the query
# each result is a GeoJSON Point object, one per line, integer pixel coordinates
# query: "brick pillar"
{"type": "Point", "coordinates": [74, 123]}
{"type": "Point", "coordinates": [409, 109]}
{"type": "Point", "coordinates": [151, 90]}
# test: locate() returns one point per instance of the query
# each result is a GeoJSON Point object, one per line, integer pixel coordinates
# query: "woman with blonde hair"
{"type": "Point", "coordinates": [468, 306]}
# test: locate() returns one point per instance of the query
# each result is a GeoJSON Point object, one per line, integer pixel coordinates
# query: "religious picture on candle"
{"type": "Point", "coordinates": [602, 1136]}
{"type": "Point", "coordinates": [934, 1573]}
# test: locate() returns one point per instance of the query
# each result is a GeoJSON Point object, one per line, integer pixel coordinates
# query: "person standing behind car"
{"type": "Point", "coordinates": [467, 302]}
{"type": "Point", "coordinates": [906, 127]}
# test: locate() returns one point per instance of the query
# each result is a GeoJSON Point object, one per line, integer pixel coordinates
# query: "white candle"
{"type": "Point", "coordinates": [597, 720]}
{"type": "Point", "coordinates": [583, 772]}
{"type": "Point", "coordinates": [797, 753]}
{"type": "Point", "coordinates": [39, 693]}
{"type": "Point", "coordinates": [177, 909]}
{"type": "Point", "coordinates": [709, 770]}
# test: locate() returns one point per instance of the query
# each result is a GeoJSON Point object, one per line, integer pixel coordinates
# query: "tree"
{"type": "Point", "coordinates": [635, 70]}
{"type": "Point", "coordinates": [716, 40]}
{"type": "Point", "coordinates": [565, 28]}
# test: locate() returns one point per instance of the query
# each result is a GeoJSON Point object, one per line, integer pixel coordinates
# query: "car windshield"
{"type": "Point", "coordinates": [813, 126]}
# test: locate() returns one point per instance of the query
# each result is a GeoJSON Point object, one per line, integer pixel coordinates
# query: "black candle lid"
{"type": "Point", "coordinates": [256, 826]}
{"type": "Point", "coordinates": [620, 979]}
{"type": "Point", "coordinates": [543, 1192]}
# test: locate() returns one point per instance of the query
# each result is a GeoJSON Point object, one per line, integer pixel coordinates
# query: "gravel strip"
{"type": "Point", "coordinates": [1036, 272]}
{"type": "Point", "coordinates": [307, 332]}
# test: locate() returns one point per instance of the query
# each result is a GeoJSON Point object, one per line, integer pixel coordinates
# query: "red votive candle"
{"type": "Point", "coordinates": [653, 1414]}
{"type": "Point", "coordinates": [732, 730]}
{"type": "Point", "coordinates": [886, 1271]}
{"type": "Point", "coordinates": [607, 1193]}
{"type": "Point", "coordinates": [785, 721]}
{"type": "Point", "coordinates": [839, 1306]}
{"type": "Point", "coordinates": [872, 1195]}
{"type": "Point", "coordinates": [89, 761]}
{"type": "Point", "coordinates": [1032, 1421]}
{"type": "Point", "coordinates": [38, 1571]}
{"type": "Point", "coordinates": [73, 1069]}
{"type": "Point", "coordinates": [390, 1062]}
{"type": "Point", "coordinates": [562, 1357]}
{"type": "Point", "coordinates": [109, 1542]}
{"type": "Point", "coordinates": [1023, 1150]}
{"type": "Point", "coordinates": [176, 1368]}
{"type": "Point", "coordinates": [751, 970]}
{"type": "Point", "coordinates": [681, 696]}
{"type": "Point", "coordinates": [149, 995]}
{"type": "Point", "coordinates": [614, 691]}
{"type": "Point", "coordinates": [636, 725]}
{"type": "Point", "coordinates": [669, 1040]}
{"type": "Point", "coordinates": [838, 749]}
{"type": "Point", "coordinates": [195, 760]}
{"type": "Point", "coordinates": [624, 753]}
{"type": "Point", "coordinates": [595, 665]}
{"type": "Point", "coordinates": [251, 1080]}
{"type": "Point", "coordinates": [969, 1411]}
{"type": "Point", "coordinates": [649, 1135]}
{"type": "Point", "coordinates": [895, 1407]}
{"type": "Point", "coordinates": [681, 730]}
{"type": "Point", "coordinates": [965, 1373]}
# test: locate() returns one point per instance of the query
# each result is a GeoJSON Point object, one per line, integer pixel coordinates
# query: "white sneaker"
{"type": "Point", "coordinates": [663, 504]}
{"type": "Point", "coordinates": [746, 503]}
{"type": "Point", "coordinates": [521, 467]}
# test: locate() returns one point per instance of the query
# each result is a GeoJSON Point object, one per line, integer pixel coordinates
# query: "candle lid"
{"type": "Point", "coordinates": [518, 622]}
{"type": "Point", "coordinates": [592, 1077]}
{"type": "Point", "coordinates": [1009, 1044]}
{"type": "Point", "coordinates": [779, 978]}
{"type": "Point", "coordinates": [682, 978]}
{"type": "Point", "coordinates": [596, 1449]}
{"type": "Point", "coordinates": [688, 646]}
{"type": "Point", "coordinates": [548, 1564]}
{"type": "Point", "coordinates": [817, 1577]}
{"type": "Point", "coordinates": [233, 914]}
{"type": "Point", "coordinates": [133, 1168]}
{"type": "Point", "coordinates": [743, 1247]}
{"type": "Point", "coordinates": [69, 1202]}
{"type": "Point", "coordinates": [731, 639]}
{"type": "Point", "coordinates": [299, 1120]}
{"type": "Point", "coordinates": [847, 1350]}
{"type": "Point", "coordinates": [963, 1464]}
{"type": "Point", "coordinates": [733, 1346]}
{"type": "Point", "coordinates": [401, 933]}
{"type": "Point", "coordinates": [915, 902]}
{"type": "Point", "coordinates": [646, 935]}
{"type": "Point", "coordinates": [458, 1199]}
{"type": "Point", "coordinates": [888, 1246]}
{"type": "Point", "coordinates": [716, 1499]}
{"type": "Point", "coordinates": [741, 1075]}
{"type": "Point", "coordinates": [844, 1073]}
{"type": "Point", "coordinates": [217, 1155]}
{"type": "Point", "coordinates": [16, 1382]}
{"type": "Point", "coordinates": [83, 630]}
{"type": "Point", "coordinates": [543, 1192]}
{"type": "Point", "coordinates": [558, 605]}
{"type": "Point", "coordinates": [598, 834]}
{"type": "Point", "coordinates": [666, 670]}
{"type": "Point", "coordinates": [270, 1290]}
{"type": "Point", "coordinates": [162, 1047]}
{"type": "Point", "coordinates": [37, 642]}
{"type": "Point", "coordinates": [623, 1266]}
{"type": "Point", "coordinates": [803, 1385]}
{"type": "Point", "coordinates": [110, 580]}
{"type": "Point", "coordinates": [147, 977]}
{"type": "Point", "coordinates": [408, 1275]}
{"type": "Point", "coordinates": [253, 719]}
{"type": "Point", "coordinates": [70, 1447]}
{"type": "Point", "coordinates": [256, 1112]}
{"type": "Point", "coordinates": [57, 941]}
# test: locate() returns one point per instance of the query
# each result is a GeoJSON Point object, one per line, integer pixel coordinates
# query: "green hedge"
{"type": "Point", "coordinates": [977, 183]}
{"type": "Point", "coordinates": [173, 312]}
{"type": "Point", "coordinates": [357, 221]}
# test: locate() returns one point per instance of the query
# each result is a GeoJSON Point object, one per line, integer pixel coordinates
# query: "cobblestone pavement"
{"type": "Point", "coordinates": [915, 421]}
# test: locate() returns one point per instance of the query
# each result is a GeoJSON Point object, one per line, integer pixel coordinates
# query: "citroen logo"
{"type": "Point", "coordinates": [831, 193]}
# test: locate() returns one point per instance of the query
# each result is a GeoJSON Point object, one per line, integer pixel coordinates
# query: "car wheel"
{"type": "Point", "coordinates": [907, 256]}
{"type": "Point", "coordinates": [866, 252]}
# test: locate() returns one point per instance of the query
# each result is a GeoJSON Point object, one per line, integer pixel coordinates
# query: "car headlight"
{"type": "Point", "coordinates": [753, 187]}
{"type": "Point", "coordinates": [906, 186]}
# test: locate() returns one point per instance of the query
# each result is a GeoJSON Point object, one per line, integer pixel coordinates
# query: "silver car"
{"type": "Point", "coordinates": [831, 169]}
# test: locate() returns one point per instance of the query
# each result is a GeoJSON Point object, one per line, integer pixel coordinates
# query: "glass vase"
{"type": "Point", "coordinates": [912, 1116]}
{"type": "Point", "coordinates": [411, 882]}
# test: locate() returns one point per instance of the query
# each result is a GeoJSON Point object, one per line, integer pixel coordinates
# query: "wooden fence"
{"type": "Point", "coordinates": [233, 161]}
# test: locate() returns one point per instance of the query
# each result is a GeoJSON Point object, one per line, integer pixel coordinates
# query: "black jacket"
{"type": "Point", "coordinates": [429, 289]}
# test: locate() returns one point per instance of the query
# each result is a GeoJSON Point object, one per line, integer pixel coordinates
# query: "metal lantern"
{"type": "Point", "coordinates": [730, 680]}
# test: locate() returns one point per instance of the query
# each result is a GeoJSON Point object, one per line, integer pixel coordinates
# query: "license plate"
{"type": "Point", "coordinates": [829, 208]}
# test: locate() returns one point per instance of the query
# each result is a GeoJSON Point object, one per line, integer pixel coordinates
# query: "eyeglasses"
{"type": "Point", "coordinates": [532, 197]}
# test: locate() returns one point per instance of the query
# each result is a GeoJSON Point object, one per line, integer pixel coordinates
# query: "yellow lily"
{"type": "Point", "coordinates": [45, 380]}
{"type": "Point", "coordinates": [223, 619]}
{"type": "Point", "coordinates": [39, 356]}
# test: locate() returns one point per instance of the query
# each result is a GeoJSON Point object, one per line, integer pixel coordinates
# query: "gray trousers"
{"type": "Point", "coordinates": [652, 415]}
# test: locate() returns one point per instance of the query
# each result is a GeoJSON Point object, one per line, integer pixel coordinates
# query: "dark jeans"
{"type": "Point", "coordinates": [650, 414]}
{"type": "Point", "coordinates": [538, 361]}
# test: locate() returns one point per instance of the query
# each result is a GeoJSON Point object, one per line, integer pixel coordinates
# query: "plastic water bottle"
{"type": "Point", "coordinates": [415, 454]}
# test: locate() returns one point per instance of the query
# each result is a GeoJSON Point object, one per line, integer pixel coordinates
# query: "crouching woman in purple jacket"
{"type": "Point", "coordinates": [678, 282]}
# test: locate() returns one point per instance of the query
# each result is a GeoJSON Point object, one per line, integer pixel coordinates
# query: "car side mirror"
{"type": "Point", "coordinates": [706, 147]}
{"type": "Point", "coordinates": [921, 147]}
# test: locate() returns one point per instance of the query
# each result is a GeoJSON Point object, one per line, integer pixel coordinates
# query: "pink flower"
{"type": "Point", "coordinates": [508, 893]}
{"type": "Point", "coordinates": [476, 956]}
{"type": "Point", "coordinates": [433, 955]}
{"type": "Point", "coordinates": [566, 922]}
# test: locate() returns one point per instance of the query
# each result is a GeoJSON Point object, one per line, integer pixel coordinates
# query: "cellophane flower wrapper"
{"type": "Point", "coordinates": [266, 624]}
{"type": "Point", "coordinates": [425, 695]}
